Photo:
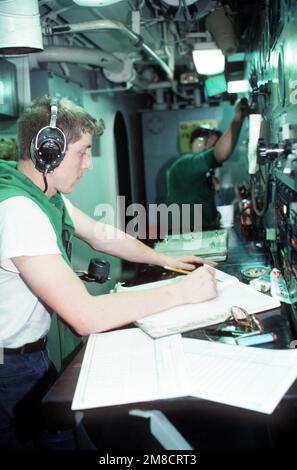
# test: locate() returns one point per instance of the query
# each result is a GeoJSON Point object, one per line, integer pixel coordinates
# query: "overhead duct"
{"type": "Point", "coordinates": [78, 55]}
{"type": "Point", "coordinates": [111, 25]}
{"type": "Point", "coordinates": [221, 27]}
{"type": "Point", "coordinates": [20, 30]}
{"type": "Point", "coordinates": [176, 3]}
{"type": "Point", "coordinates": [95, 3]}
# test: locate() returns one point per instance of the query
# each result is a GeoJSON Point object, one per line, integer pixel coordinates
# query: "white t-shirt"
{"type": "Point", "coordinates": [25, 230]}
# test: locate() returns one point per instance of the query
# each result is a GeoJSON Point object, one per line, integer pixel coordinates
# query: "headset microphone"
{"type": "Point", "coordinates": [48, 146]}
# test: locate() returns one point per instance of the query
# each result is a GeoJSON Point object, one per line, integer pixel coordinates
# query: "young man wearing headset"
{"type": "Point", "coordinates": [36, 277]}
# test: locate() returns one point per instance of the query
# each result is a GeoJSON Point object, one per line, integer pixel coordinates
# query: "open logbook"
{"type": "Point", "coordinates": [188, 317]}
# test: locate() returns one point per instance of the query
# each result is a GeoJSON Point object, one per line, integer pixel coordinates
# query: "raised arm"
{"type": "Point", "coordinates": [226, 143]}
{"type": "Point", "coordinates": [54, 282]}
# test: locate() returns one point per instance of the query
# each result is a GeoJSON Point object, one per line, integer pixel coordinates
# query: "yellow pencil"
{"type": "Point", "coordinates": [177, 270]}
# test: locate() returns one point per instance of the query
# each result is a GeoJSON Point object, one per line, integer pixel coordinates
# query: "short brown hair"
{"type": "Point", "coordinates": [72, 119]}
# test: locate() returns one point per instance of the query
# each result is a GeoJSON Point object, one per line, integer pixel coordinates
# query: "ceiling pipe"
{"type": "Point", "coordinates": [112, 25]}
{"type": "Point", "coordinates": [110, 89]}
{"type": "Point", "coordinates": [78, 55]}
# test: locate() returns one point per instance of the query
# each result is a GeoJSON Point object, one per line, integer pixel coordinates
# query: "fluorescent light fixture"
{"type": "Point", "coordinates": [208, 59]}
{"type": "Point", "coordinates": [95, 3]}
{"type": "Point", "coordinates": [238, 86]}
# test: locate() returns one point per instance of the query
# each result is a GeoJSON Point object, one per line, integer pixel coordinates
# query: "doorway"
{"type": "Point", "coordinates": [124, 182]}
{"type": "Point", "coordinates": [123, 165]}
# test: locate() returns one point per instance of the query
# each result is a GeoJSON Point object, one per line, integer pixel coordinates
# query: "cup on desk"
{"type": "Point", "coordinates": [227, 215]}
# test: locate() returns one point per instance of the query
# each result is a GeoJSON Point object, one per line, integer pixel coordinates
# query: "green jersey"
{"type": "Point", "coordinates": [188, 183]}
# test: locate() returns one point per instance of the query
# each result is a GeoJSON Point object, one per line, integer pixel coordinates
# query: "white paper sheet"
{"type": "Point", "coordinates": [127, 366]}
{"type": "Point", "coordinates": [251, 378]}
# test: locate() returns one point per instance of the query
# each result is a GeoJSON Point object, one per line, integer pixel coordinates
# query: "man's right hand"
{"type": "Point", "coordinates": [199, 286]}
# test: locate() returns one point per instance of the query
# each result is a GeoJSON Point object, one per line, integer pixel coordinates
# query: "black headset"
{"type": "Point", "coordinates": [48, 146]}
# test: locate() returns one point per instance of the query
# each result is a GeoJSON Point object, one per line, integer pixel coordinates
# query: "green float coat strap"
{"type": "Point", "coordinates": [14, 183]}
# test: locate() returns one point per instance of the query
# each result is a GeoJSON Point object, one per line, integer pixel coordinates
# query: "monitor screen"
{"type": "Point", "coordinates": [215, 85]}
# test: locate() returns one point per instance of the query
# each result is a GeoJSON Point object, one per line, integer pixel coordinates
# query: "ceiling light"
{"type": "Point", "coordinates": [208, 59]}
{"type": "Point", "coordinates": [238, 86]}
{"type": "Point", "coordinates": [188, 78]}
{"type": "Point", "coordinates": [95, 3]}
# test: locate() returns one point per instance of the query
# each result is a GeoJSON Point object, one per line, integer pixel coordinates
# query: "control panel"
{"type": "Point", "coordinates": [286, 217]}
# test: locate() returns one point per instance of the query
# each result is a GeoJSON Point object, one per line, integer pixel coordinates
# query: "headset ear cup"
{"type": "Point", "coordinates": [48, 146]}
{"type": "Point", "coordinates": [51, 153]}
{"type": "Point", "coordinates": [48, 149]}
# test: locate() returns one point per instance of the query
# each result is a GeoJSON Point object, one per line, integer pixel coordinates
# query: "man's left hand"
{"type": "Point", "coordinates": [242, 108]}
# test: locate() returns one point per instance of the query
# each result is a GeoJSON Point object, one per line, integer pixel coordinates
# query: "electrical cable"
{"type": "Point", "coordinates": [178, 9]}
{"type": "Point", "coordinates": [187, 15]}
{"type": "Point", "coordinates": [45, 181]}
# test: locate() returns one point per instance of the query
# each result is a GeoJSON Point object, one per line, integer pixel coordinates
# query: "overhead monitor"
{"type": "Point", "coordinates": [215, 85]}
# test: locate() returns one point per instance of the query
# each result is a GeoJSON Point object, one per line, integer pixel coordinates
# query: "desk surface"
{"type": "Point", "coordinates": [57, 402]}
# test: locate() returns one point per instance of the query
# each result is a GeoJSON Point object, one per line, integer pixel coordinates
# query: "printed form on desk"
{"type": "Point", "coordinates": [126, 366]}
{"type": "Point", "coordinates": [191, 316]}
{"type": "Point", "coordinates": [251, 378]}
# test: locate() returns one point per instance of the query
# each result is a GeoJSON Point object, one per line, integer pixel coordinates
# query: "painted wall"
{"type": "Point", "coordinates": [101, 184]}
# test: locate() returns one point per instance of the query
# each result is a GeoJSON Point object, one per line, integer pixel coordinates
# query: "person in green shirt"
{"type": "Point", "coordinates": [189, 177]}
